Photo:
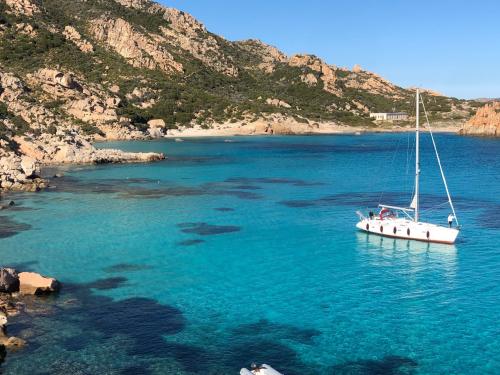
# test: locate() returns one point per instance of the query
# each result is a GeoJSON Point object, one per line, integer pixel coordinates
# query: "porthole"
{"type": "Point", "coordinates": [367, 226]}
{"type": "Point", "coordinates": [381, 229]}
{"type": "Point", "coordinates": [394, 230]}
{"type": "Point", "coordinates": [428, 234]}
{"type": "Point", "coordinates": [408, 231]}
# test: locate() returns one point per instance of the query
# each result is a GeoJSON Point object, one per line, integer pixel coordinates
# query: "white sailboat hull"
{"type": "Point", "coordinates": [407, 229]}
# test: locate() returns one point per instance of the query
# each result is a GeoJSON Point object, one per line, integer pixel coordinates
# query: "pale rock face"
{"type": "Point", "coordinates": [54, 77]}
{"type": "Point", "coordinates": [93, 110]}
{"type": "Point", "coordinates": [26, 29]}
{"type": "Point", "coordinates": [13, 176]}
{"type": "Point", "coordinates": [74, 149]}
{"type": "Point", "coordinates": [270, 56]}
{"type": "Point", "coordinates": [182, 29]}
{"type": "Point", "coordinates": [357, 69]}
{"type": "Point", "coordinates": [23, 7]}
{"type": "Point", "coordinates": [71, 34]}
{"type": "Point", "coordinates": [326, 72]}
{"type": "Point", "coordinates": [278, 103]}
{"type": "Point", "coordinates": [486, 121]}
{"type": "Point", "coordinates": [140, 50]}
{"type": "Point", "coordinates": [373, 83]}
{"type": "Point", "coordinates": [34, 283]}
{"type": "Point", "coordinates": [309, 79]}
{"type": "Point", "coordinates": [156, 123]}
{"type": "Point", "coordinates": [142, 97]}
{"type": "Point", "coordinates": [135, 4]}
{"type": "Point", "coordinates": [180, 21]}
{"type": "Point", "coordinates": [115, 89]}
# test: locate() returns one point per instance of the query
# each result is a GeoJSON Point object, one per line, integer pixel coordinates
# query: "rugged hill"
{"type": "Point", "coordinates": [485, 122]}
{"type": "Point", "coordinates": [75, 71]}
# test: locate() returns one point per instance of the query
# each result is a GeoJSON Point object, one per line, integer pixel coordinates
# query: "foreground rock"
{"type": "Point", "coordinates": [13, 287]}
{"type": "Point", "coordinates": [9, 280]}
{"type": "Point", "coordinates": [19, 172]}
{"type": "Point", "coordinates": [485, 122]}
{"type": "Point", "coordinates": [36, 284]}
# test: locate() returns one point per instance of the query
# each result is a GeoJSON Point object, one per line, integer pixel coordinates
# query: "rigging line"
{"type": "Point", "coordinates": [435, 207]}
{"type": "Point", "coordinates": [428, 126]}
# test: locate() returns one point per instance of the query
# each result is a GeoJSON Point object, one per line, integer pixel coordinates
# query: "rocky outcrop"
{"type": "Point", "coordinates": [140, 50]}
{"type": "Point", "coordinates": [278, 103]}
{"type": "Point", "coordinates": [71, 34]}
{"type": "Point", "coordinates": [321, 70]}
{"type": "Point", "coordinates": [134, 4]}
{"type": "Point", "coordinates": [26, 29]}
{"type": "Point", "coordinates": [23, 7]}
{"type": "Point", "coordinates": [73, 149]}
{"type": "Point", "coordinates": [92, 109]}
{"type": "Point", "coordinates": [34, 283]}
{"type": "Point", "coordinates": [374, 84]}
{"type": "Point", "coordinates": [12, 301]}
{"type": "Point", "coordinates": [186, 32]}
{"type": "Point", "coordinates": [485, 122]}
{"type": "Point", "coordinates": [267, 56]}
{"type": "Point", "coordinates": [19, 172]}
{"type": "Point", "coordinates": [9, 281]}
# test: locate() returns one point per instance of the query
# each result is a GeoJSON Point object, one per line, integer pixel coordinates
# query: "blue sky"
{"type": "Point", "coordinates": [449, 46]}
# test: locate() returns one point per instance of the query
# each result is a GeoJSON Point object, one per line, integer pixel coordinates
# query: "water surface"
{"type": "Point", "coordinates": [233, 252]}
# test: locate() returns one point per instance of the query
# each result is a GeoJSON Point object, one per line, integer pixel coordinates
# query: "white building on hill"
{"type": "Point", "coordinates": [389, 116]}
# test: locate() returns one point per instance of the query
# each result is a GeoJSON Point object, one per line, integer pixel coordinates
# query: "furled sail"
{"type": "Point", "coordinates": [413, 203]}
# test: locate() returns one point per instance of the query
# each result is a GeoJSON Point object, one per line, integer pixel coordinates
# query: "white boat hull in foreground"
{"type": "Point", "coordinates": [407, 229]}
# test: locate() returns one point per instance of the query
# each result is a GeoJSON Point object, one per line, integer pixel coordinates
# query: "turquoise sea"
{"type": "Point", "coordinates": [244, 249]}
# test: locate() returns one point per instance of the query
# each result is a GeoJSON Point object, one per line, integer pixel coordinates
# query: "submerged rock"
{"type": "Point", "coordinates": [34, 283]}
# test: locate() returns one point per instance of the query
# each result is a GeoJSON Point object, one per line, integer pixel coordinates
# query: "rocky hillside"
{"type": "Point", "coordinates": [485, 122]}
{"type": "Point", "coordinates": [75, 71]}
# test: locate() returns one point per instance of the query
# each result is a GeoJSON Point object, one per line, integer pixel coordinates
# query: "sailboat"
{"type": "Point", "coordinates": [388, 222]}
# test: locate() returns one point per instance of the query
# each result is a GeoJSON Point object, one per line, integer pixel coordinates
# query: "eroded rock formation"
{"type": "Point", "coordinates": [485, 122]}
{"type": "Point", "coordinates": [139, 49]}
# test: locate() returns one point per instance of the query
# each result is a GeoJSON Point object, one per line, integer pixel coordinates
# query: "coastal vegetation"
{"type": "Point", "coordinates": [73, 72]}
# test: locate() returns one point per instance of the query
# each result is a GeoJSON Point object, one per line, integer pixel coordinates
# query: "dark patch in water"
{"type": "Point", "coordinates": [135, 188]}
{"type": "Point", "coordinates": [199, 160]}
{"type": "Point", "coordinates": [74, 343]}
{"type": "Point", "coordinates": [10, 227]}
{"type": "Point", "coordinates": [271, 180]}
{"type": "Point", "coordinates": [144, 326]}
{"type": "Point", "coordinates": [190, 242]}
{"type": "Point", "coordinates": [126, 267]}
{"type": "Point", "coordinates": [204, 229]}
{"type": "Point", "coordinates": [490, 218]}
{"type": "Point", "coordinates": [389, 365]}
{"type": "Point", "coordinates": [224, 209]}
{"type": "Point", "coordinates": [107, 284]}
{"type": "Point", "coordinates": [246, 187]}
{"type": "Point", "coordinates": [277, 331]}
{"type": "Point", "coordinates": [143, 323]}
{"type": "Point", "coordinates": [136, 370]}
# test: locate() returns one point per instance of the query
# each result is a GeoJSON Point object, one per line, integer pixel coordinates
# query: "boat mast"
{"type": "Point", "coordinates": [417, 154]}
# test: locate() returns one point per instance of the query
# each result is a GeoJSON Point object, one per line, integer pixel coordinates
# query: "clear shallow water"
{"type": "Point", "coordinates": [233, 252]}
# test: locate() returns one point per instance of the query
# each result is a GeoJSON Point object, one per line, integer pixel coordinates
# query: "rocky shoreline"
{"type": "Point", "coordinates": [21, 172]}
{"type": "Point", "coordinates": [281, 125]}
{"type": "Point", "coordinates": [15, 289]}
